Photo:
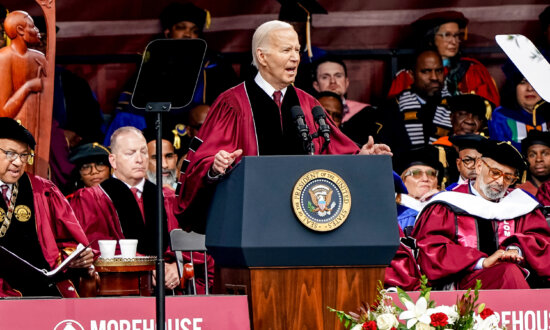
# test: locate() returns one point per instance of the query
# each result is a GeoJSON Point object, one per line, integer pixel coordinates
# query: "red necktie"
{"type": "Point", "coordinates": [5, 189]}
{"type": "Point", "coordinates": [139, 200]}
{"type": "Point", "coordinates": [277, 95]}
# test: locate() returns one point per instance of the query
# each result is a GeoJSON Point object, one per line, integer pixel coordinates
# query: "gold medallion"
{"type": "Point", "coordinates": [22, 213]}
{"type": "Point", "coordinates": [2, 215]}
{"type": "Point", "coordinates": [321, 200]}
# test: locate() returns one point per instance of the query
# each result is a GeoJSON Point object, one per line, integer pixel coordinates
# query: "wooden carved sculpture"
{"type": "Point", "coordinates": [26, 85]}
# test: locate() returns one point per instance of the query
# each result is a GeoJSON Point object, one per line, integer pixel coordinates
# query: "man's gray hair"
{"type": "Point", "coordinates": [261, 35]}
{"type": "Point", "coordinates": [118, 132]}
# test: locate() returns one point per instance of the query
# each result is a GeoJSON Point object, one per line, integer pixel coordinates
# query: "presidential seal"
{"type": "Point", "coordinates": [321, 200]}
{"type": "Point", "coordinates": [22, 213]}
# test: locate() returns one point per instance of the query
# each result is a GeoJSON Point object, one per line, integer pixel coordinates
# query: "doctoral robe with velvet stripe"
{"type": "Point", "coordinates": [451, 241]}
{"type": "Point", "coordinates": [231, 125]}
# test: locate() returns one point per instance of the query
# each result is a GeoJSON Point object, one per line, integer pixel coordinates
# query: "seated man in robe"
{"type": "Point", "coordinates": [536, 150]}
{"type": "Point", "coordinates": [37, 223]}
{"type": "Point", "coordinates": [253, 119]}
{"type": "Point", "coordinates": [124, 206]}
{"type": "Point", "coordinates": [483, 230]}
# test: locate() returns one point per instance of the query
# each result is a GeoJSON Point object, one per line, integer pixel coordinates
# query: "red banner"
{"type": "Point", "coordinates": [182, 313]}
{"type": "Point", "coordinates": [518, 309]}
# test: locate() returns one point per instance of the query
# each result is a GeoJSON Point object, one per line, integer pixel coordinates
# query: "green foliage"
{"type": "Point", "coordinates": [310, 206]}
{"type": "Point", "coordinates": [344, 318]}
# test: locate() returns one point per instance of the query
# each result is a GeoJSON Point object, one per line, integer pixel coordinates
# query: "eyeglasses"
{"type": "Point", "coordinates": [86, 169]}
{"type": "Point", "coordinates": [447, 36]}
{"type": "Point", "coordinates": [418, 173]}
{"type": "Point", "coordinates": [12, 156]}
{"type": "Point", "coordinates": [496, 174]}
{"type": "Point", "coordinates": [468, 161]}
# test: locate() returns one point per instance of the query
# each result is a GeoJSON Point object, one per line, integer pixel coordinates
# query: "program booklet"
{"type": "Point", "coordinates": [19, 265]}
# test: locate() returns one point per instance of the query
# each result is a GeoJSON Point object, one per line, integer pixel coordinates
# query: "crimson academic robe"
{"type": "Point", "coordinates": [198, 258]}
{"type": "Point", "coordinates": [100, 218]}
{"type": "Point", "coordinates": [57, 229]}
{"type": "Point", "coordinates": [230, 125]}
{"type": "Point", "coordinates": [543, 194]}
{"type": "Point", "coordinates": [403, 270]}
{"type": "Point", "coordinates": [476, 80]}
{"type": "Point", "coordinates": [451, 238]}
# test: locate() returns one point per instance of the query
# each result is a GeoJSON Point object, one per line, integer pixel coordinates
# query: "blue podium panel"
{"type": "Point", "coordinates": [252, 223]}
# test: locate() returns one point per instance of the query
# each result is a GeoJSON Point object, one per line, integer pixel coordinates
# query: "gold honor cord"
{"type": "Point", "coordinates": [7, 218]}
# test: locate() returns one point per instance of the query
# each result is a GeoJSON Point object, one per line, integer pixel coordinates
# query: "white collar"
{"type": "Point", "coordinates": [266, 87]}
{"type": "Point", "coordinates": [139, 186]}
{"type": "Point", "coordinates": [515, 204]}
{"type": "Point", "coordinates": [9, 184]}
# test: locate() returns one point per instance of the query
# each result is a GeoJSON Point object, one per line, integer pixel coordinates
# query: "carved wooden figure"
{"type": "Point", "coordinates": [26, 79]}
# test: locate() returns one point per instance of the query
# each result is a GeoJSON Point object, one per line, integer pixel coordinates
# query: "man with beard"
{"type": "Point", "coordinates": [536, 150]}
{"type": "Point", "coordinates": [416, 116]}
{"type": "Point", "coordinates": [124, 206]}
{"type": "Point", "coordinates": [169, 159]}
{"type": "Point", "coordinates": [483, 230]}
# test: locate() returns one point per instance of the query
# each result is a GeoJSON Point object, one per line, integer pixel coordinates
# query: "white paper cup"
{"type": "Point", "coordinates": [128, 247]}
{"type": "Point", "coordinates": [107, 248]}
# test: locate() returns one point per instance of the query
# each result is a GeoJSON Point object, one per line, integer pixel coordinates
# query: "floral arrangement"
{"type": "Point", "coordinates": [422, 315]}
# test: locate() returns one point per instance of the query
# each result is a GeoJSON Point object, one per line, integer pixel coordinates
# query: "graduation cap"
{"type": "Point", "coordinates": [88, 153]}
{"type": "Point", "coordinates": [535, 137]}
{"type": "Point", "coordinates": [13, 130]}
{"type": "Point", "coordinates": [427, 155]}
{"type": "Point", "coordinates": [467, 141]}
{"type": "Point", "coordinates": [173, 134]}
{"type": "Point", "coordinates": [301, 11]}
{"type": "Point", "coordinates": [471, 103]}
{"type": "Point", "coordinates": [435, 19]}
{"type": "Point", "coordinates": [503, 152]}
{"type": "Point", "coordinates": [178, 12]}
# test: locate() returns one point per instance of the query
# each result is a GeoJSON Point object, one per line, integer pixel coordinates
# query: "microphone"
{"type": "Point", "coordinates": [320, 117]}
{"type": "Point", "coordinates": [303, 130]}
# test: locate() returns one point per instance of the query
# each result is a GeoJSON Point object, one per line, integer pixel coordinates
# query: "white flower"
{"type": "Point", "coordinates": [386, 321]}
{"type": "Point", "coordinates": [490, 323]}
{"type": "Point", "coordinates": [450, 311]}
{"type": "Point", "coordinates": [415, 313]}
{"type": "Point", "coordinates": [358, 326]}
{"type": "Point", "coordinates": [423, 326]}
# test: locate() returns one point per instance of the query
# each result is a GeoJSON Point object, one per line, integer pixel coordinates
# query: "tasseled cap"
{"type": "Point", "coordinates": [503, 152]}
{"type": "Point", "coordinates": [13, 130]}
{"type": "Point", "coordinates": [178, 12]}
{"type": "Point", "coordinates": [468, 141]}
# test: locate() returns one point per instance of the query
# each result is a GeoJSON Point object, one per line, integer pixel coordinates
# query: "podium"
{"type": "Point", "coordinates": [290, 272]}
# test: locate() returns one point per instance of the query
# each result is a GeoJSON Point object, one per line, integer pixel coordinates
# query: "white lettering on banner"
{"type": "Point", "coordinates": [137, 324]}
{"type": "Point", "coordinates": [525, 320]}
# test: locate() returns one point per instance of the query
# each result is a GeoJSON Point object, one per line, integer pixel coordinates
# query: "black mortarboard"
{"type": "Point", "coordinates": [467, 141]}
{"type": "Point", "coordinates": [472, 103]}
{"type": "Point", "coordinates": [544, 17]}
{"type": "Point", "coordinates": [13, 130]}
{"type": "Point", "coordinates": [88, 153]}
{"type": "Point", "coordinates": [298, 10]}
{"type": "Point", "coordinates": [512, 73]}
{"type": "Point", "coordinates": [173, 134]}
{"type": "Point", "coordinates": [427, 155]}
{"type": "Point", "coordinates": [503, 152]}
{"type": "Point", "coordinates": [432, 20]}
{"type": "Point", "coordinates": [535, 137]}
{"type": "Point", "coordinates": [178, 12]}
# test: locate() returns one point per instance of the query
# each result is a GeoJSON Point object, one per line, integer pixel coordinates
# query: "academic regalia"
{"type": "Point", "coordinates": [110, 211]}
{"type": "Point", "coordinates": [543, 194]}
{"type": "Point", "coordinates": [456, 229]}
{"type": "Point", "coordinates": [198, 257]}
{"type": "Point", "coordinates": [476, 79]}
{"type": "Point", "coordinates": [245, 117]}
{"type": "Point", "coordinates": [56, 226]}
{"type": "Point", "coordinates": [403, 271]}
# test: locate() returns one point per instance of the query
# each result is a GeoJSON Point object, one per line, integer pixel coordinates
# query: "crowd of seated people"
{"type": "Point", "coordinates": [451, 148]}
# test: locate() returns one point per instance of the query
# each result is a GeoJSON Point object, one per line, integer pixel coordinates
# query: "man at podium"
{"type": "Point", "coordinates": [254, 118]}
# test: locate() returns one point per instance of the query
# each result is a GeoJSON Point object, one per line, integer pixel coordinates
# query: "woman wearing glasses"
{"type": "Point", "coordinates": [92, 165]}
{"type": "Point", "coordinates": [420, 171]}
{"type": "Point", "coordinates": [445, 31]}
